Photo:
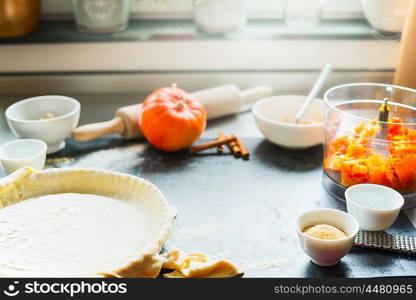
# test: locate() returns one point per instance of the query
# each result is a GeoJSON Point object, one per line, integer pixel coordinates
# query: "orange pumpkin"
{"type": "Point", "coordinates": [172, 119]}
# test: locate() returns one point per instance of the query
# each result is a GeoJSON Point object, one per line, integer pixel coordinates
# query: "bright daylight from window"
{"type": "Point", "coordinates": [267, 141]}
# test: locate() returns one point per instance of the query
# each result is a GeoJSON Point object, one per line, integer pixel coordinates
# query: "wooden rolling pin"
{"type": "Point", "coordinates": [218, 102]}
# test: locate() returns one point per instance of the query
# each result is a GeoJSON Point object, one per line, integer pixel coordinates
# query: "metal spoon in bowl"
{"type": "Point", "coordinates": [315, 90]}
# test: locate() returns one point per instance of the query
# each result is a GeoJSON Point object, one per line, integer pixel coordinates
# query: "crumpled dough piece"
{"type": "Point", "coordinates": [197, 265]}
{"type": "Point", "coordinates": [8, 183]}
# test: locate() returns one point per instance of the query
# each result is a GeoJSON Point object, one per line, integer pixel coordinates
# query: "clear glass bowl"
{"type": "Point", "coordinates": [358, 148]}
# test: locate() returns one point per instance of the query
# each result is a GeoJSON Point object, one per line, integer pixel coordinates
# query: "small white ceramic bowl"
{"type": "Point", "coordinates": [275, 116]}
{"type": "Point", "coordinates": [386, 15]}
{"type": "Point", "coordinates": [375, 207]}
{"type": "Point", "coordinates": [23, 119]}
{"type": "Point", "coordinates": [23, 153]}
{"type": "Point", "coordinates": [327, 252]}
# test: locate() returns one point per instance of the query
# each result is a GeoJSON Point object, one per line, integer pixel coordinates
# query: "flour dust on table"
{"type": "Point", "coordinates": [116, 159]}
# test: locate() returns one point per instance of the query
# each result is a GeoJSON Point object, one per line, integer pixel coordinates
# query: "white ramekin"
{"type": "Point", "coordinates": [375, 207]}
{"type": "Point", "coordinates": [326, 252]}
{"type": "Point", "coordinates": [23, 153]}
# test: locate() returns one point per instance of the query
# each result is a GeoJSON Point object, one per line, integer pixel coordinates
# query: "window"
{"type": "Point", "coordinates": [182, 9]}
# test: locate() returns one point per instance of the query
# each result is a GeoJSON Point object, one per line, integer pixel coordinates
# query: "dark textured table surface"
{"type": "Point", "coordinates": [244, 210]}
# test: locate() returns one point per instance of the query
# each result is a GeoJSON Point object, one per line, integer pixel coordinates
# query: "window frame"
{"type": "Point", "coordinates": [182, 9]}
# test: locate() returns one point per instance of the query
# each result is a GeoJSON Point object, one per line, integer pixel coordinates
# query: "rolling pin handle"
{"type": "Point", "coordinates": [96, 130]}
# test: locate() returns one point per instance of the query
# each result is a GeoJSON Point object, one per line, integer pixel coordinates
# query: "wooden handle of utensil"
{"type": "Point", "coordinates": [405, 71]}
{"type": "Point", "coordinates": [95, 130]}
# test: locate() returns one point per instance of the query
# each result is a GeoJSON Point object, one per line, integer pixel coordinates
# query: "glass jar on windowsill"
{"type": "Point", "coordinates": [18, 17]}
{"type": "Point", "coordinates": [101, 16]}
{"type": "Point", "coordinates": [303, 13]}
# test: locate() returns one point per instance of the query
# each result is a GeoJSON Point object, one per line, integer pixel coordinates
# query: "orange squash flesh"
{"type": "Point", "coordinates": [354, 160]}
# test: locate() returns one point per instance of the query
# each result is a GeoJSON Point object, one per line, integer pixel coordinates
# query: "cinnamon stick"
{"type": "Point", "coordinates": [234, 147]}
{"type": "Point", "coordinates": [220, 136]}
{"type": "Point", "coordinates": [244, 151]}
{"type": "Point", "coordinates": [213, 144]}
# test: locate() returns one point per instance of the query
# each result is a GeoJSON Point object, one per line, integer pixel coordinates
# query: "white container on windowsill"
{"type": "Point", "coordinates": [386, 15]}
{"type": "Point", "coordinates": [303, 13]}
{"type": "Point", "coordinates": [101, 16]}
{"type": "Point", "coordinates": [220, 16]}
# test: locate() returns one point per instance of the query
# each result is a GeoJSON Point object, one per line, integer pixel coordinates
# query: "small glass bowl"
{"type": "Point", "coordinates": [358, 148]}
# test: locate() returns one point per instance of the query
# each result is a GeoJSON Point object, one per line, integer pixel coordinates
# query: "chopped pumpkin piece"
{"type": "Point", "coordinates": [356, 160]}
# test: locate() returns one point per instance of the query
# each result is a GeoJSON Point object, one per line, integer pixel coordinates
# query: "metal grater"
{"type": "Point", "coordinates": [387, 242]}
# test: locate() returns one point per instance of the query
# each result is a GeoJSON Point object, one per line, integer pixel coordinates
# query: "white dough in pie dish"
{"type": "Point", "coordinates": [79, 223]}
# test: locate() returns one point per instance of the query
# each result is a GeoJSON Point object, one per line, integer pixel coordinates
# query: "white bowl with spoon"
{"type": "Point", "coordinates": [275, 118]}
{"type": "Point", "coordinates": [292, 121]}
{"type": "Point", "coordinates": [376, 207]}
{"type": "Point", "coordinates": [47, 118]}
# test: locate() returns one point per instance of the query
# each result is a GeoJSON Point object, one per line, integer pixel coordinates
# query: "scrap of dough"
{"type": "Point", "coordinates": [8, 183]}
{"type": "Point", "coordinates": [197, 265]}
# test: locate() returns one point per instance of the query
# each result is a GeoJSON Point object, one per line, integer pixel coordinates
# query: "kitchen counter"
{"type": "Point", "coordinates": [278, 185]}
{"type": "Point", "coordinates": [240, 210]}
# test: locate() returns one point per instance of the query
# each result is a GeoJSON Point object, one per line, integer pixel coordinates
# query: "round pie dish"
{"type": "Point", "coordinates": [81, 223]}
